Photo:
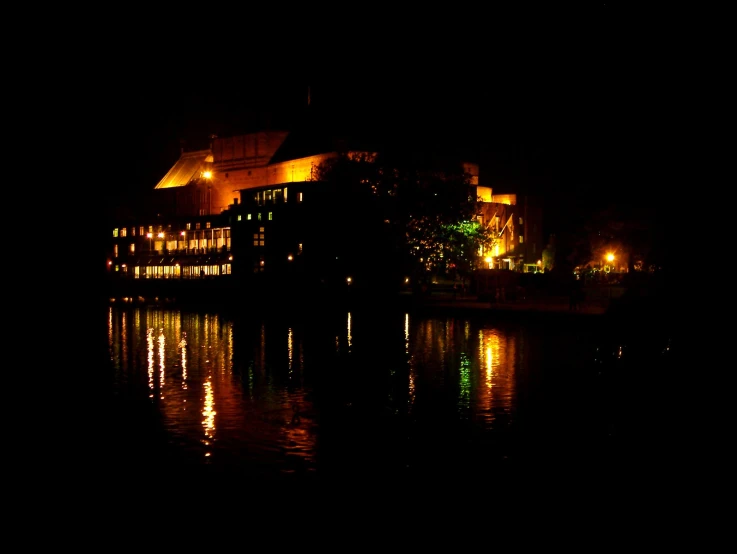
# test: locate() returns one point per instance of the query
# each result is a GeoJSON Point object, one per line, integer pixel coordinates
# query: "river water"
{"type": "Point", "coordinates": [355, 394]}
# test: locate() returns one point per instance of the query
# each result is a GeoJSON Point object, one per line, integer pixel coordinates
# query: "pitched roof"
{"type": "Point", "coordinates": [188, 168]}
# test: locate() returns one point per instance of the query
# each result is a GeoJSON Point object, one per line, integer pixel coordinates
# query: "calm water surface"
{"type": "Point", "coordinates": [344, 393]}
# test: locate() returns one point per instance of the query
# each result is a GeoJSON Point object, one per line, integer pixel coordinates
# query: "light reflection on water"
{"type": "Point", "coordinates": [347, 391]}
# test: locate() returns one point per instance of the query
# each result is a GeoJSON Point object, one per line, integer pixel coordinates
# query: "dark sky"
{"type": "Point", "coordinates": [572, 104]}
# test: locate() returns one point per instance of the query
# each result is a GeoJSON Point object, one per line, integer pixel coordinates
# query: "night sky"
{"type": "Point", "coordinates": [575, 106]}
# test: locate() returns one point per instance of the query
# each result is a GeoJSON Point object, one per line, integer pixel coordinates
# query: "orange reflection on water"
{"type": "Point", "coordinates": [162, 365]}
{"type": "Point", "coordinates": [350, 335]}
{"type": "Point", "coordinates": [183, 348]}
{"type": "Point", "coordinates": [290, 349]}
{"type": "Point", "coordinates": [150, 356]}
{"type": "Point", "coordinates": [411, 392]}
{"type": "Point", "coordinates": [497, 353]}
{"type": "Point", "coordinates": [209, 412]}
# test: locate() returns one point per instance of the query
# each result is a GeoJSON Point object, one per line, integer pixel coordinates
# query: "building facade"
{"type": "Point", "coordinates": [242, 210]}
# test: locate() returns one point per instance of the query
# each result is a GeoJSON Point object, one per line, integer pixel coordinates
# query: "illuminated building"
{"type": "Point", "coordinates": [249, 210]}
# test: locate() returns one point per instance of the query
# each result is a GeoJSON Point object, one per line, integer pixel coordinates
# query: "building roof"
{"type": "Point", "coordinates": [188, 167]}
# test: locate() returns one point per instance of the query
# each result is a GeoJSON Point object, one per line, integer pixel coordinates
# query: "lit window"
{"type": "Point", "coordinates": [520, 239]}
{"type": "Point", "coordinates": [248, 217]}
{"type": "Point", "coordinates": [141, 230]}
{"type": "Point", "coordinates": [115, 250]}
{"type": "Point", "coordinates": [269, 216]}
{"type": "Point", "coordinates": [133, 248]}
{"type": "Point", "coordinates": [207, 225]}
{"type": "Point", "coordinates": [124, 232]}
{"type": "Point", "coordinates": [520, 221]}
{"type": "Point", "coordinates": [299, 197]}
{"type": "Point", "coordinates": [239, 217]}
{"type": "Point", "coordinates": [150, 229]}
{"type": "Point", "coordinates": [259, 216]}
{"type": "Point", "coordinates": [189, 226]}
{"type": "Point", "coordinates": [197, 225]}
{"type": "Point", "coordinates": [115, 232]}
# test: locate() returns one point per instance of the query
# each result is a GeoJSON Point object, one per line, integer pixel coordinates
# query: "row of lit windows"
{"type": "Point", "coordinates": [174, 271]}
{"type": "Point", "coordinates": [249, 217]}
{"type": "Point", "coordinates": [192, 246]}
{"type": "Point", "coordinates": [123, 231]}
{"type": "Point", "coordinates": [262, 197]}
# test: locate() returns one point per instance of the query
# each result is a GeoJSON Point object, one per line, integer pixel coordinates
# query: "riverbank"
{"type": "Point", "coordinates": [540, 305]}
{"type": "Point", "coordinates": [202, 295]}
{"type": "Point", "coordinates": [625, 305]}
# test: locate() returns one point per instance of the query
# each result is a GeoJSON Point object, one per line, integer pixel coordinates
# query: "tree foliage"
{"type": "Point", "coordinates": [419, 214]}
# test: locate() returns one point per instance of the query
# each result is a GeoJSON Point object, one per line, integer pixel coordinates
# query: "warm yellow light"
{"type": "Point", "coordinates": [610, 257]}
{"type": "Point", "coordinates": [488, 259]}
{"type": "Point", "coordinates": [161, 235]}
{"type": "Point", "coordinates": [149, 235]}
{"type": "Point", "coordinates": [207, 174]}
{"type": "Point", "coordinates": [183, 233]}
{"type": "Point", "coordinates": [539, 262]}
{"type": "Point", "coordinates": [406, 279]}
{"type": "Point", "coordinates": [109, 262]}
{"type": "Point", "coordinates": [289, 257]}
{"type": "Point", "coordinates": [349, 280]}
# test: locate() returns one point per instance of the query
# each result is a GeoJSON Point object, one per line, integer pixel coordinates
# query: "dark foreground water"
{"type": "Point", "coordinates": [335, 394]}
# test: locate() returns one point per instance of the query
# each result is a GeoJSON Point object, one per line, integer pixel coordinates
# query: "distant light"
{"type": "Point", "coordinates": [349, 280]}
{"type": "Point", "coordinates": [207, 174]}
{"type": "Point", "coordinates": [161, 235]}
{"type": "Point", "coordinates": [290, 257]}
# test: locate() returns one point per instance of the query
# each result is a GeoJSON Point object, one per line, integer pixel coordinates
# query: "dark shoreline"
{"type": "Point", "coordinates": [632, 309]}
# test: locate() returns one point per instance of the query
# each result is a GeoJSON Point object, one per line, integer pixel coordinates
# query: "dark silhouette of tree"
{"type": "Point", "coordinates": [412, 215]}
